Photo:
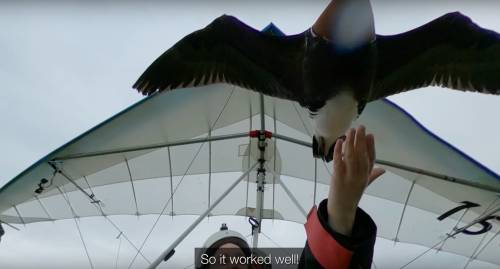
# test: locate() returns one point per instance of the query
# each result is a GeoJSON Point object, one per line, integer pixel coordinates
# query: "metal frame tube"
{"type": "Point", "coordinates": [407, 168]}
{"type": "Point", "coordinates": [438, 176]}
{"type": "Point", "coordinates": [154, 146]}
{"type": "Point", "coordinates": [293, 140]}
{"type": "Point", "coordinates": [261, 175]}
{"type": "Point", "coordinates": [275, 141]}
{"type": "Point", "coordinates": [249, 157]}
{"type": "Point", "coordinates": [171, 248]}
{"type": "Point", "coordinates": [54, 166]}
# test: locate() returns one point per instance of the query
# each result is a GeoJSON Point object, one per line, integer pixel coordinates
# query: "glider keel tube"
{"type": "Point", "coordinates": [165, 255]}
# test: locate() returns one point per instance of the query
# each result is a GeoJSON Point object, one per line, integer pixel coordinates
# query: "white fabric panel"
{"type": "Point", "coordinates": [152, 194]}
{"type": "Point", "coordinates": [236, 199]}
{"type": "Point", "coordinates": [398, 186]}
{"type": "Point", "coordinates": [403, 140]}
{"type": "Point", "coordinates": [288, 113]}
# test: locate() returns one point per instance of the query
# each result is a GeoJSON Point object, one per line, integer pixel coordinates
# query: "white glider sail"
{"type": "Point", "coordinates": [175, 153]}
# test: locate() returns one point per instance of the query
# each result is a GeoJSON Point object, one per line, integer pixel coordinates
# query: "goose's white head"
{"type": "Point", "coordinates": [352, 24]}
{"type": "Point", "coordinates": [331, 123]}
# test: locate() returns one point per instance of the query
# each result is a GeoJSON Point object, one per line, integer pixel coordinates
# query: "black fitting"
{"type": "Point", "coordinates": [41, 188]}
{"type": "Point", "coordinates": [169, 255]}
{"type": "Point", "coordinates": [254, 223]}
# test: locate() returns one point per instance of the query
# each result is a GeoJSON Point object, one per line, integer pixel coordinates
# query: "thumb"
{"type": "Point", "coordinates": [376, 173]}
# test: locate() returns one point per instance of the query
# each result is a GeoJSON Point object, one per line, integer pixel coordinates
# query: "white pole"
{"type": "Point", "coordinates": [170, 250]}
{"type": "Point", "coordinates": [261, 175]}
{"type": "Point", "coordinates": [258, 211]}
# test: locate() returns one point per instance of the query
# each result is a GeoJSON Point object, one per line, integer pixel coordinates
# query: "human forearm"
{"type": "Point", "coordinates": [340, 218]}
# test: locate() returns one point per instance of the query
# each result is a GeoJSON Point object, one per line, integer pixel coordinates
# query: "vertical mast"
{"type": "Point", "coordinates": [261, 174]}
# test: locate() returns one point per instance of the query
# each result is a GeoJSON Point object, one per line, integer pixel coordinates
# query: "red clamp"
{"type": "Point", "coordinates": [256, 133]}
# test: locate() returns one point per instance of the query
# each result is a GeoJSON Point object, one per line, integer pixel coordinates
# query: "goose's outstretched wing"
{"type": "Point", "coordinates": [450, 51]}
{"type": "Point", "coordinates": [230, 51]}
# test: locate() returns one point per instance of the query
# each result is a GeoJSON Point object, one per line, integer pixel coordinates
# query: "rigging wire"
{"type": "Point", "coordinates": [469, 260]}
{"type": "Point", "coordinates": [133, 187]}
{"type": "Point", "coordinates": [480, 248]}
{"type": "Point", "coordinates": [98, 205]}
{"type": "Point", "coordinates": [423, 253]}
{"type": "Point", "coordinates": [83, 243]}
{"type": "Point", "coordinates": [301, 119]}
{"type": "Point", "coordinates": [166, 205]}
{"type": "Point", "coordinates": [458, 231]}
{"type": "Point", "coordinates": [66, 198]}
{"type": "Point", "coordinates": [249, 237]}
{"type": "Point", "coordinates": [9, 225]}
{"type": "Point", "coordinates": [407, 200]}
{"type": "Point", "coordinates": [182, 178]}
{"type": "Point", "coordinates": [270, 239]}
{"type": "Point", "coordinates": [171, 182]}
{"type": "Point", "coordinates": [404, 209]}
{"type": "Point", "coordinates": [309, 133]}
{"type": "Point", "coordinates": [483, 248]}
{"type": "Point", "coordinates": [280, 248]}
{"type": "Point", "coordinates": [44, 208]}
{"type": "Point", "coordinates": [118, 252]}
{"type": "Point", "coordinates": [484, 237]}
{"type": "Point", "coordinates": [127, 239]}
{"type": "Point", "coordinates": [453, 229]}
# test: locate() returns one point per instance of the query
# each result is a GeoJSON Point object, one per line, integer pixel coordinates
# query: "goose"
{"type": "Point", "coordinates": [332, 69]}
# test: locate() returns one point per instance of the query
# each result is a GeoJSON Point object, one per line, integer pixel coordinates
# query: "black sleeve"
{"type": "Point", "coordinates": [326, 248]}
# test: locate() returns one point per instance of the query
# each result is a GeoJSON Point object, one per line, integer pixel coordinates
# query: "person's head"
{"type": "Point", "coordinates": [224, 243]}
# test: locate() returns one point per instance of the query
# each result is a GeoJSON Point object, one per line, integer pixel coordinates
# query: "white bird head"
{"type": "Point", "coordinates": [331, 123]}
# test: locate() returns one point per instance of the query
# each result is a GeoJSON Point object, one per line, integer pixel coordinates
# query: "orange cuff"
{"type": "Point", "coordinates": [325, 249]}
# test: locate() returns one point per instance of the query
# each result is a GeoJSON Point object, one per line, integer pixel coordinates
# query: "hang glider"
{"type": "Point", "coordinates": [199, 142]}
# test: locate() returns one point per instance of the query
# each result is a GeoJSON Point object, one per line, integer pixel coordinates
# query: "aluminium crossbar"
{"type": "Point", "coordinates": [170, 250]}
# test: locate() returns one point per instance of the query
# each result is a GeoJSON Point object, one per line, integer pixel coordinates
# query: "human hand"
{"type": "Point", "coordinates": [352, 173]}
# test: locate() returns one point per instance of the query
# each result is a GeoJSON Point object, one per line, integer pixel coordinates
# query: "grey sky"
{"type": "Point", "coordinates": [68, 67]}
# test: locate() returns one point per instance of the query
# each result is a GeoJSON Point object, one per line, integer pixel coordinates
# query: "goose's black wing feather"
{"type": "Point", "coordinates": [229, 51]}
{"type": "Point", "coordinates": [450, 51]}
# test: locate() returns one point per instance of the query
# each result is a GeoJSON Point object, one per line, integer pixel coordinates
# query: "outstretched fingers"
{"type": "Point", "coordinates": [337, 153]}
{"type": "Point", "coordinates": [376, 172]}
{"type": "Point", "coordinates": [360, 141]}
{"type": "Point", "coordinates": [370, 147]}
{"type": "Point", "coordinates": [349, 144]}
